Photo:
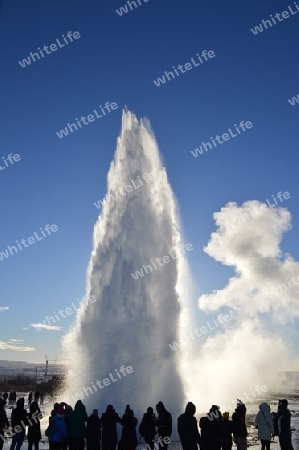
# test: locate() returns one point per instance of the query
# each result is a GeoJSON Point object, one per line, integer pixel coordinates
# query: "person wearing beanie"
{"type": "Point", "coordinates": [34, 433]}
{"type": "Point", "coordinates": [109, 421]}
{"type": "Point", "coordinates": [239, 426]}
{"type": "Point", "coordinates": [77, 419]}
{"type": "Point", "coordinates": [147, 427]}
{"type": "Point", "coordinates": [129, 422]}
{"type": "Point", "coordinates": [19, 421]}
{"type": "Point", "coordinates": [164, 426]}
{"type": "Point", "coordinates": [188, 429]}
{"type": "Point", "coordinates": [93, 431]}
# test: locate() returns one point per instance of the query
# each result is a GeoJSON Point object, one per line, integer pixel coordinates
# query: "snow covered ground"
{"type": "Point", "coordinates": [252, 409]}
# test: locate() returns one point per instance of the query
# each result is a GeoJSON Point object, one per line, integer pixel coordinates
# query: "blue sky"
{"type": "Point", "coordinates": [116, 59]}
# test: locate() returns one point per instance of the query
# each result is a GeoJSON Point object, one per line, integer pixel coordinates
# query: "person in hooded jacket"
{"type": "Point", "coordinates": [77, 419]}
{"type": "Point", "coordinates": [265, 426]}
{"type": "Point", "coordinates": [60, 432]}
{"type": "Point", "coordinates": [19, 421]}
{"type": "Point", "coordinates": [129, 422]}
{"type": "Point", "coordinates": [164, 425]}
{"type": "Point", "coordinates": [147, 427]}
{"type": "Point", "coordinates": [93, 431]}
{"type": "Point", "coordinates": [284, 425]}
{"type": "Point", "coordinates": [109, 421]}
{"type": "Point", "coordinates": [187, 428]}
{"type": "Point", "coordinates": [34, 433]}
{"type": "Point", "coordinates": [3, 421]}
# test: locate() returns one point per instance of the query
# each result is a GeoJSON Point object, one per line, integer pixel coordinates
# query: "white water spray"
{"type": "Point", "coordinates": [133, 318]}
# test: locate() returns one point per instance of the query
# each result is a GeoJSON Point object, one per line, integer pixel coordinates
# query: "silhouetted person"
{"type": "Point", "coordinates": [109, 420]}
{"type": "Point", "coordinates": [147, 427]}
{"type": "Point", "coordinates": [29, 398]}
{"type": "Point", "coordinates": [164, 425]}
{"type": "Point", "coordinates": [77, 419]}
{"type": "Point", "coordinates": [284, 425]}
{"type": "Point", "coordinates": [239, 426]}
{"type": "Point", "coordinates": [211, 429]}
{"type": "Point", "coordinates": [187, 428]}
{"type": "Point", "coordinates": [42, 398]}
{"type": "Point", "coordinates": [93, 431]}
{"type": "Point", "coordinates": [5, 396]}
{"type": "Point", "coordinates": [67, 413]}
{"type": "Point", "coordinates": [3, 421]}
{"type": "Point", "coordinates": [18, 419]}
{"type": "Point", "coordinates": [129, 437]}
{"type": "Point", "coordinates": [36, 396]}
{"type": "Point", "coordinates": [226, 428]}
{"type": "Point", "coordinates": [34, 433]}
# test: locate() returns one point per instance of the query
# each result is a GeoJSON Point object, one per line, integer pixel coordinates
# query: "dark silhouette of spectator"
{"type": "Point", "coordinates": [3, 421]}
{"type": "Point", "coordinates": [59, 429]}
{"type": "Point", "coordinates": [77, 419]}
{"type": "Point", "coordinates": [13, 397]}
{"type": "Point", "coordinates": [164, 426]}
{"type": "Point", "coordinates": [129, 422]}
{"type": "Point", "coordinates": [67, 413]}
{"type": "Point", "coordinates": [42, 398]}
{"type": "Point", "coordinates": [34, 433]}
{"type": "Point", "coordinates": [187, 428]}
{"type": "Point", "coordinates": [36, 396]}
{"type": "Point", "coordinates": [147, 427]}
{"type": "Point", "coordinates": [93, 431]}
{"type": "Point", "coordinates": [5, 396]}
{"type": "Point", "coordinates": [211, 429]}
{"type": "Point", "coordinates": [239, 426]}
{"type": "Point", "coordinates": [226, 427]}
{"type": "Point", "coordinates": [284, 425]}
{"type": "Point", "coordinates": [10, 397]}
{"type": "Point", "coordinates": [109, 420]}
{"type": "Point", "coordinates": [29, 398]}
{"type": "Point", "coordinates": [18, 424]}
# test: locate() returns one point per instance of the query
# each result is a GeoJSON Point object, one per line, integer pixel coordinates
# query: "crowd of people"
{"type": "Point", "coordinates": [71, 429]}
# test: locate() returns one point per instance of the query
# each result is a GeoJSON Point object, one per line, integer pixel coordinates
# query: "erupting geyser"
{"type": "Point", "coordinates": [119, 346]}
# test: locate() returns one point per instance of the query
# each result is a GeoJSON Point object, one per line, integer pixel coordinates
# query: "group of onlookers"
{"type": "Point", "coordinates": [36, 397]}
{"type": "Point", "coordinates": [70, 429]}
{"type": "Point", "coordinates": [11, 397]}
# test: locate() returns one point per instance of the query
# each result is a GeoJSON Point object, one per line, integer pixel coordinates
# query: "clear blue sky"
{"type": "Point", "coordinates": [116, 59]}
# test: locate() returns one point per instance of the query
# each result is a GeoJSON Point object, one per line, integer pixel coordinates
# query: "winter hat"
{"type": "Point", "coordinates": [109, 408]}
{"type": "Point", "coordinates": [95, 412]}
{"type": "Point", "coordinates": [190, 408]}
{"type": "Point", "coordinates": [150, 410]}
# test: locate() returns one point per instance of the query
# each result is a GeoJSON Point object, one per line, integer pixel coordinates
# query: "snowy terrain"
{"type": "Point", "coordinates": [252, 410]}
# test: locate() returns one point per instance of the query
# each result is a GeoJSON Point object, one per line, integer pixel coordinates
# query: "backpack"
{"type": "Point", "coordinates": [50, 431]}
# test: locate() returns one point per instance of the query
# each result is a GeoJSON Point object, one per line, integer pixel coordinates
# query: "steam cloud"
{"type": "Point", "coordinates": [254, 348]}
